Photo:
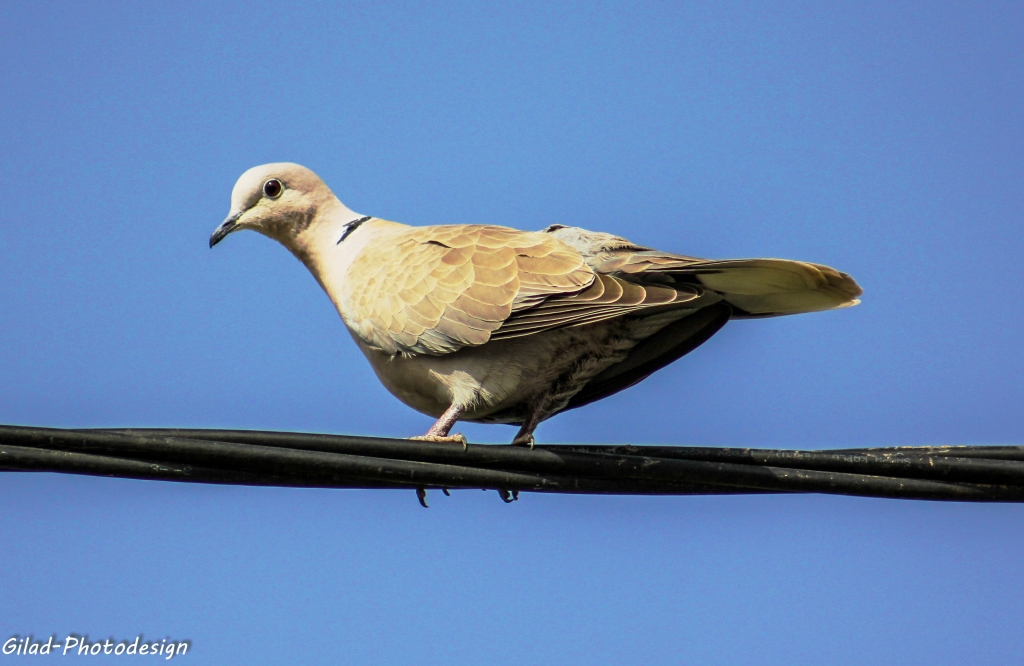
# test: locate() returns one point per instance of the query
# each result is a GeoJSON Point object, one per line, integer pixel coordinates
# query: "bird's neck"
{"type": "Point", "coordinates": [321, 248]}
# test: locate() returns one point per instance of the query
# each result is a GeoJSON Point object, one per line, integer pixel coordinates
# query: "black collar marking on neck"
{"type": "Point", "coordinates": [350, 227]}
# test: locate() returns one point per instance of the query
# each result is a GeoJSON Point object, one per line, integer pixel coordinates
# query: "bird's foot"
{"type": "Point", "coordinates": [457, 438]}
{"type": "Point", "coordinates": [421, 495]}
{"type": "Point", "coordinates": [507, 497]}
{"type": "Point", "coordinates": [524, 441]}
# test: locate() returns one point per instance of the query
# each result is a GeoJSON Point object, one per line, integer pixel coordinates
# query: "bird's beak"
{"type": "Point", "coordinates": [225, 228]}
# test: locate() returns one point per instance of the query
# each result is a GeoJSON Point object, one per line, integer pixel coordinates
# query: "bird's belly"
{"type": "Point", "coordinates": [499, 381]}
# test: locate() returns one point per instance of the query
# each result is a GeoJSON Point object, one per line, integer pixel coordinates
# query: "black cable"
{"type": "Point", "coordinates": [336, 461]}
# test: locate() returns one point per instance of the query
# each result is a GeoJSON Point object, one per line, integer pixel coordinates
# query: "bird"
{"type": "Point", "coordinates": [490, 324]}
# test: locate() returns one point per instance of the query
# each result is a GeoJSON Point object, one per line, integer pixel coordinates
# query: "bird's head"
{"type": "Point", "coordinates": [279, 200]}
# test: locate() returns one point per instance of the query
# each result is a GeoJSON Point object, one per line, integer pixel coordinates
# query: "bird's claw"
{"type": "Point", "coordinates": [421, 495]}
{"type": "Point", "coordinates": [457, 438]}
{"type": "Point", "coordinates": [507, 497]}
{"type": "Point", "coordinates": [524, 441]}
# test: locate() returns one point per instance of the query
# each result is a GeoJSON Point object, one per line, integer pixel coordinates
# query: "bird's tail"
{"type": "Point", "coordinates": [770, 287]}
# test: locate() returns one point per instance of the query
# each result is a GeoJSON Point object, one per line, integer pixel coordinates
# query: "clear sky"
{"type": "Point", "coordinates": [885, 139]}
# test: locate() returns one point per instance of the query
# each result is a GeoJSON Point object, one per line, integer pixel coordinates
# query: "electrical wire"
{"type": "Point", "coordinates": [950, 473]}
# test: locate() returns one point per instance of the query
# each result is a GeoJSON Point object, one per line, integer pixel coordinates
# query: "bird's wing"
{"type": "Point", "coordinates": [753, 287]}
{"type": "Point", "coordinates": [606, 298]}
{"type": "Point", "coordinates": [434, 290]}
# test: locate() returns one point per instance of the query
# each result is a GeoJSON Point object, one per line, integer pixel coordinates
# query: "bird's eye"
{"type": "Point", "coordinates": [273, 188]}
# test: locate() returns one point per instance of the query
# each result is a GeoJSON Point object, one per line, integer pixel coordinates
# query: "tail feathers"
{"type": "Point", "coordinates": [768, 287]}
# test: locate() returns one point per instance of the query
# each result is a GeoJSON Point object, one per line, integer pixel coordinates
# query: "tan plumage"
{"type": "Point", "coordinates": [493, 324]}
{"type": "Point", "coordinates": [454, 285]}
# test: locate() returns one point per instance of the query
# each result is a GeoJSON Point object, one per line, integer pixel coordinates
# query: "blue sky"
{"type": "Point", "coordinates": [885, 139]}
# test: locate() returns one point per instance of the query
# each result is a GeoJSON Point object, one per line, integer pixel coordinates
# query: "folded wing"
{"type": "Point", "coordinates": [753, 287]}
{"type": "Point", "coordinates": [434, 290]}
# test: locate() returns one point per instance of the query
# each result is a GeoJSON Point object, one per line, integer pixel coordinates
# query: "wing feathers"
{"type": "Point", "coordinates": [607, 298]}
{"type": "Point", "coordinates": [433, 290]}
{"type": "Point", "coordinates": [756, 287]}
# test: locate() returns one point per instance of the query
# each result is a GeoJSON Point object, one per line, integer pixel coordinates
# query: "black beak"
{"type": "Point", "coordinates": [226, 227]}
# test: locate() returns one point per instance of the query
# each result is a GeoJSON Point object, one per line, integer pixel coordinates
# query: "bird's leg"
{"type": "Point", "coordinates": [525, 435]}
{"type": "Point", "coordinates": [539, 410]}
{"type": "Point", "coordinates": [439, 431]}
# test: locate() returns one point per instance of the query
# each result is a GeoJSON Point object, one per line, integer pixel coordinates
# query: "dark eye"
{"type": "Point", "coordinates": [273, 188]}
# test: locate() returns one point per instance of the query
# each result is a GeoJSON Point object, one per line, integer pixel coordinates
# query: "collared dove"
{"type": "Point", "coordinates": [490, 324]}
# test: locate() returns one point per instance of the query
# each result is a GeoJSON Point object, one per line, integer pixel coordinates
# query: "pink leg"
{"type": "Point", "coordinates": [446, 422]}
{"type": "Point", "coordinates": [439, 431]}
